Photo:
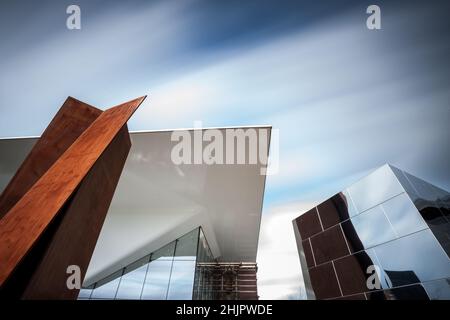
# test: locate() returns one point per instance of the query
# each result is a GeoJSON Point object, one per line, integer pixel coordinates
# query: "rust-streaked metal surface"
{"type": "Point", "coordinates": [21, 227]}
{"type": "Point", "coordinates": [73, 118]}
{"type": "Point", "coordinates": [76, 235]}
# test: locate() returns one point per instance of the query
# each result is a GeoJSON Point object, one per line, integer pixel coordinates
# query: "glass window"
{"type": "Point", "coordinates": [182, 280]}
{"type": "Point", "coordinates": [403, 215]}
{"type": "Point", "coordinates": [377, 187]}
{"type": "Point", "coordinates": [85, 293]}
{"type": "Point", "coordinates": [183, 268]}
{"type": "Point", "coordinates": [406, 184]}
{"type": "Point", "coordinates": [168, 273]}
{"type": "Point", "coordinates": [187, 246]}
{"type": "Point", "coordinates": [424, 189]}
{"type": "Point", "coordinates": [107, 288]}
{"type": "Point", "coordinates": [372, 227]}
{"type": "Point", "coordinates": [203, 288]}
{"type": "Point", "coordinates": [414, 258]}
{"type": "Point", "coordinates": [165, 253]}
{"type": "Point", "coordinates": [204, 252]}
{"type": "Point", "coordinates": [350, 206]}
{"type": "Point", "coordinates": [158, 274]}
{"type": "Point", "coordinates": [439, 289]}
{"type": "Point", "coordinates": [130, 286]}
{"type": "Point", "coordinates": [440, 193]}
{"type": "Point", "coordinates": [412, 292]}
{"type": "Point", "coordinates": [157, 281]}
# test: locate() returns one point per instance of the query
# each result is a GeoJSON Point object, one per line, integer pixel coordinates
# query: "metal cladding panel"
{"type": "Point", "coordinates": [21, 227]}
{"type": "Point", "coordinates": [72, 119]}
{"type": "Point", "coordinates": [76, 235]}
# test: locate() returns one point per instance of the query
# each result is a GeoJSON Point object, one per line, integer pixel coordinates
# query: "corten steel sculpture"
{"type": "Point", "coordinates": [53, 209]}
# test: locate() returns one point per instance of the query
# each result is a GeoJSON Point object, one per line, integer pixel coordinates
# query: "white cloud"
{"type": "Point", "coordinates": [279, 270]}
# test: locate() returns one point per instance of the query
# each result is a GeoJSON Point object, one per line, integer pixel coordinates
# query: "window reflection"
{"type": "Point", "coordinates": [168, 273]}
{"type": "Point", "coordinates": [182, 280]}
{"type": "Point", "coordinates": [130, 286]}
{"type": "Point", "coordinates": [203, 284]}
{"type": "Point", "coordinates": [158, 274]}
{"type": "Point", "coordinates": [377, 187]}
{"type": "Point", "coordinates": [412, 292]}
{"type": "Point", "coordinates": [186, 246]}
{"type": "Point", "coordinates": [403, 215]}
{"type": "Point", "coordinates": [412, 254]}
{"type": "Point", "coordinates": [439, 289]}
{"type": "Point", "coordinates": [351, 209]}
{"type": "Point", "coordinates": [157, 281]}
{"type": "Point", "coordinates": [373, 227]}
{"type": "Point", "coordinates": [85, 293]}
{"type": "Point", "coordinates": [107, 288]}
{"type": "Point", "coordinates": [396, 222]}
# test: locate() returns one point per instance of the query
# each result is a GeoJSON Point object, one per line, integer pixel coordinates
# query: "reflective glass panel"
{"type": "Point", "coordinates": [204, 252]}
{"type": "Point", "coordinates": [403, 215]}
{"type": "Point", "coordinates": [378, 272]}
{"type": "Point", "coordinates": [107, 288]}
{"type": "Point", "coordinates": [439, 289]}
{"type": "Point", "coordinates": [372, 227]}
{"type": "Point", "coordinates": [203, 286]}
{"type": "Point", "coordinates": [350, 206]}
{"type": "Point", "coordinates": [405, 182]}
{"type": "Point", "coordinates": [130, 286]}
{"type": "Point", "coordinates": [168, 273]}
{"type": "Point", "coordinates": [157, 281]}
{"type": "Point", "coordinates": [417, 257]}
{"type": "Point", "coordinates": [411, 292]}
{"type": "Point", "coordinates": [187, 246]}
{"type": "Point", "coordinates": [158, 274]}
{"type": "Point", "coordinates": [424, 189]}
{"type": "Point", "coordinates": [85, 293]}
{"type": "Point", "coordinates": [182, 280]}
{"type": "Point", "coordinates": [377, 187]}
{"type": "Point", "coordinates": [165, 253]}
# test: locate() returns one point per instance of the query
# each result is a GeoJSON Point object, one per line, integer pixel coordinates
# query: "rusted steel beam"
{"type": "Point", "coordinates": [73, 118]}
{"type": "Point", "coordinates": [24, 224]}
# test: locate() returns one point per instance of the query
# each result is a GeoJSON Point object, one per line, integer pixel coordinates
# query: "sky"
{"type": "Point", "coordinates": [344, 98]}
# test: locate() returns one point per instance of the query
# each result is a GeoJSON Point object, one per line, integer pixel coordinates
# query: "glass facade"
{"type": "Point", "coordinates": [203, 288]}
{"type": "Point", "coordinates": [184, 269]}
{"type": "Point", "coordinates": [166, 274]}
{"type": "Point", "coordinates": [389, 222]}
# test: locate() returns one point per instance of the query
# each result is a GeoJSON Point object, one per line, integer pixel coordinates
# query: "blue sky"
{"type": "Point", "coordinates": [345, 99]}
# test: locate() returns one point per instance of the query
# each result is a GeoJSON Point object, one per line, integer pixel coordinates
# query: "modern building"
{"type": "Point", "coordinates": [385, 237]}
{"type": "Point", "coordinates": [171, 231]}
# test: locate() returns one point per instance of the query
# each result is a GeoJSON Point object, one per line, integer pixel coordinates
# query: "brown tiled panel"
{"type": "Point", "coordinates": [21, 227]}
{"type": "Point", "coordinates": [74, 240]}
{"type": "Point", "coordinates": [308, 253]}
{"type": "Point", "coordinates": [73, 118]}
{"type": "Point", "coordinates": [324, 282]}
{"type": "Point", "coordinates": [333, 211]}
{"type": "Point", "coordinates": [308, 224]}
{"type": "Point", "coordinates": [329, 214]}
{"type": "Point", "coordinates": [351, 272]}
{"type": "Point", "coordinates": [329, 245]}
{"type": "Point", "coordinates": [342, 204]}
